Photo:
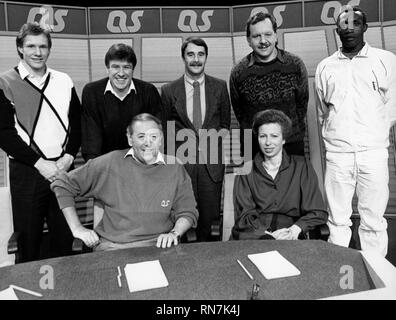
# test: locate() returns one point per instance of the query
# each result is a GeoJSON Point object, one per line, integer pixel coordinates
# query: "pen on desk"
{"type": "Point", "coordinates": [119, 276]}
{"type": "Point", "coordinates": [244, 269]}
{"type": "Point", "coordinates": [26, 291]}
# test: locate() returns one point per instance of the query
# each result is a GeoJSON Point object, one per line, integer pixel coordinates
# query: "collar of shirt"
{"type": "Point", "coordinates": [259, 158]}
{"type": "Point", "coordinates": [159, 160]}
{"type": "Point", "coordinates": [24, 73]}
{"type": "Point", "coordinates": [364, 52]}
{"type": "Point", "coordinates": [190, 81]}
{"type": "Point", "coordinates": [109, 87]}
{"type": "Point", "coordinates": [253, 60]}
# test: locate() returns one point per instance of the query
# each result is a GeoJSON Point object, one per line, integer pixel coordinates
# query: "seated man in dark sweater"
{"type": "Point", "coordinates": [147, 196]}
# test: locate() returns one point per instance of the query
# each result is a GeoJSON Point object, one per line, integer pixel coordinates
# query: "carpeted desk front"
{"type": "Point", "coordinates": [198, 271]}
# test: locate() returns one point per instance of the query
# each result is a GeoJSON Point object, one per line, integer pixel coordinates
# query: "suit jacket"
{"type": "Point", "coordinates": [105, 118]}
{"type": "Point", "coordinates": [217, 116]}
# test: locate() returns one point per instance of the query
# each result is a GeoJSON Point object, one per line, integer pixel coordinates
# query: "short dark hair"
{"type": "Point", "coordinates": [143, 117]}
{"type": "Point", "coordinates": [195, 40]}
{"type": "Point", "coordinates": [355, 9]}
{"type": "Point", "coordinates": [120, 51]}
{"type": "Point", "coordinates": [260, 16]}
{"type": "Point", "coordinates": [272, 116]}
{"type": "Point", "coordinates": [31, 29]}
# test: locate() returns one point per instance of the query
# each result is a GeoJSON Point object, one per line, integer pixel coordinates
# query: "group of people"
{"type": "Point", "coordinates": [128, 134]}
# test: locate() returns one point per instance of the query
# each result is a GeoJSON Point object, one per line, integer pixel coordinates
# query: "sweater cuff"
{"type": "Point", "coordinates": [302, 225]}
{"type": "Point", "coordinates": [190, 216]}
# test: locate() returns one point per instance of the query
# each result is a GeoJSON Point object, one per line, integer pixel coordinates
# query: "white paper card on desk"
{"type": "Point", "coordinates": [145, 275]}
{"type": "Point", "coordinates": [273, 265]}
{"type": "Point", "coordinates": [8, 294]}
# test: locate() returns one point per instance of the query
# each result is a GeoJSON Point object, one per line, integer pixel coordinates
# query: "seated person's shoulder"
{"type": "Point", "coordinates": [298, 159]}
{"type": "Point", "coordinates": [244, 170]}
{"type": "Point", "coordinates": [172, 160]}
{"type": "Point", "coordinates": [109, 157]}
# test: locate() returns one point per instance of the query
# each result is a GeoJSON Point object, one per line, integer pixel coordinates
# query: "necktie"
{"type": "Point", "coordinates": [197, 115]}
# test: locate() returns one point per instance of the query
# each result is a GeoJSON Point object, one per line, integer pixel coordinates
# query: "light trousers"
{"type": "Point", "coordinates": [366, 173]}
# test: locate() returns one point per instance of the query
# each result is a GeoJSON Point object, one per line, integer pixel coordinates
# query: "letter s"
{"type": "Point", "coordinates": [277, 14]}
{"type": "Point", "coordinates": [205, 18]}
{"type": "Point", "coordinates": [60, 23]}
{"type": "Point", "coordinates": [135, 20]}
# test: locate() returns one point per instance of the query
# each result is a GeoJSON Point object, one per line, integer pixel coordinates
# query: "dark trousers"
{"type": "Point", "coordinates": [32, 201]}
{"type": "Point", "coordinates": [208, 196]}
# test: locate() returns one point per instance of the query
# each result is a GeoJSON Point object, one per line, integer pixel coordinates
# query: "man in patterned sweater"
{"type": "Point", "coordinates": [148, 198]}
{"type": "Point", "coordinates": [40, 130]}
{"type": "Point", "coordinates": [269, 78]}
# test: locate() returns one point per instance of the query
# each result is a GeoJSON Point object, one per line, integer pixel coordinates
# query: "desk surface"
{"type": "Point", "coordinates": [197, 271]}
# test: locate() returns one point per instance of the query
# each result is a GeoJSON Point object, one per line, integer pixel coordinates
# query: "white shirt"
{"type": "Point", "coordinates": [188, 83]}
{"type": "Point", "coordinates": [159, 160]}
{"type": "Point", "coordinates": [356, 99]}
{"type": "Point", "coordinates": [110, 88]}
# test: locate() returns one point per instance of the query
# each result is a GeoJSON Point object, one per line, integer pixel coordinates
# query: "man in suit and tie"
{"type": "Point", "coordinates": [197, 108]}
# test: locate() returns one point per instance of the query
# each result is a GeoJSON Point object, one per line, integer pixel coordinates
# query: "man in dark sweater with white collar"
{"type": "Point", "coordinates": [269, 78]}
{"type": "Point", "coordinates": [147, 196]}
{"type": "Point", "coordinates": [109, 104]}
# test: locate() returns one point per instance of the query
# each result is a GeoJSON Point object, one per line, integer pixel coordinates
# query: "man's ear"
{"type": "Point", "coordinates": [20, 50]}
{"type": "Point", "coordinates": [129, 137]}
{"type": "Point", "coordinates": [365, 27]}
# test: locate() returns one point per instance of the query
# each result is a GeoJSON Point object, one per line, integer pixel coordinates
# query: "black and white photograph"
{"type": "Point", "coordinates": [195, 156]}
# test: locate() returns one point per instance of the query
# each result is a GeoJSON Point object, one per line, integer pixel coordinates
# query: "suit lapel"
{"type": "Point", "coordinates": [181, 103]}
{"type": "Point", "coordinates": [210, 99]}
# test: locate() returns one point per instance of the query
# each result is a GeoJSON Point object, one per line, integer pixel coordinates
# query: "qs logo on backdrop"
{"type": "Point", "coordinates": [336, 7]}
{"type": "Point", "coordinates": [123, 26]}
{"type": "Point", "coordinates": [192, 16]}
{"type": "Point", "coordinates": [276, 12]}
{"type": "Point", "coordinates": [50, 19]}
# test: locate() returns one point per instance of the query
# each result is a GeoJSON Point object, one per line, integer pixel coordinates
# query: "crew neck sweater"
{"type": "Point", "coordinates": [140, 201]}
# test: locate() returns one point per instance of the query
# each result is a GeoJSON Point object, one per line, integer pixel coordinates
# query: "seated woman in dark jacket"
{"type": "Point", "coordinates": [280, 195]}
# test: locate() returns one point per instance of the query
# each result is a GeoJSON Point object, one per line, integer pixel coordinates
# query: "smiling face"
{"type": "Point", "coordinates": [270, 139]}
{"type": "Point", "coordinates": [194, 60]}
{"type": "Point", "coordinates": [120, 75]}
{"type": "Point", "coordinates": [145, 140]}
{"type": "Point", "coordinates": [351, 38]}
{"type": "Point", "coordinates": [35, 52]}
{"type": "Point", "coordinates": [262, 40]}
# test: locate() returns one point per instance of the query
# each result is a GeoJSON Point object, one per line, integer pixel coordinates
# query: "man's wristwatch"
{"type": "Point", "coordinates": [177, 234]}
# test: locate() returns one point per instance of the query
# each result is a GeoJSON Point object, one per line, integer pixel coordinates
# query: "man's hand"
{"type": "Point", "coordinates": [65, 162]}
{"type": "Point", "coordinates": [291, 233]}
{"type": "Point", "coordinates": [89, 237]}
{"type": "Point", "coordinates": [165, 240]}
{"type": "Point", "coordinates": [48, 169]}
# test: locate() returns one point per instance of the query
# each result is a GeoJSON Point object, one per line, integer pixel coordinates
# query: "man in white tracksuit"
{"type": "Point", "coordinates": [356, 103]}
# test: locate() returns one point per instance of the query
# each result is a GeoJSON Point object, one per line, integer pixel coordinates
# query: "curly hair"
{"type": "Point", "coordinates": [272, 116]}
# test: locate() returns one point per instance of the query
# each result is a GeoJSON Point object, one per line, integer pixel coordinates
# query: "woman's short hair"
{"type": "Point", "coordinates": [143, 117]}
{"type": "Point", "coordinates": [122, 52]}
{"type": "Point", "coordinates": [272, 116]}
